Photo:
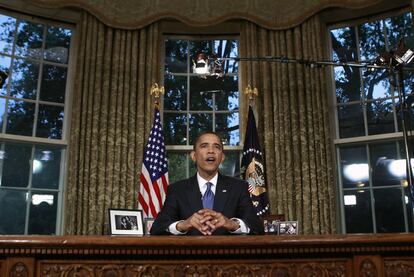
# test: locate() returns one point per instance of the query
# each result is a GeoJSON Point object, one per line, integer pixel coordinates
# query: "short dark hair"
{"type": "Point", "coordinates": [207, 133]}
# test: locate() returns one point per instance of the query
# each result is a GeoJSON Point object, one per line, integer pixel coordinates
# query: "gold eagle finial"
{"type": "Point", "coordinates": [250, 92]}
{"type": "Point", "coordinates": [157, 90]}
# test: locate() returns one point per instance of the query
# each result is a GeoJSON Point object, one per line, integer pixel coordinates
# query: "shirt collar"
{"type": "Point", "coordinates": [202, 183]}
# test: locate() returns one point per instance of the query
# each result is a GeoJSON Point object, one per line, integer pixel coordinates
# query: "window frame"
{"type": "Point", "coordinates": [32, 141]}
{"type": "Point", "coordinates": [186, 149]}
{"type": "Point", "coordinates": [366, 140]}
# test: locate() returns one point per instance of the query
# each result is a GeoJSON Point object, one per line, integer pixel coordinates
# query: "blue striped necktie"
{"type": "Point", "coordinates": [208, 198]}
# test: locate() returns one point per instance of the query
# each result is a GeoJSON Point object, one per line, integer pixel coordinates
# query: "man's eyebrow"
{"type": "Point", "coordinates": [207, 143]}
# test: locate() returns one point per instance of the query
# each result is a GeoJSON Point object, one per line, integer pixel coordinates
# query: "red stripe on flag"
{"type": "Point", "coordinates": [147, 188]}
{"type": "Point", "coordinates": [143, 204]}
{"type": "Point", "coordinates": [164, 184]}
{"type": "Point", "coordinates": [156, 187]}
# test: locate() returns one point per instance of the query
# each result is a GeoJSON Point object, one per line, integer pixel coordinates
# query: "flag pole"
{"type": "Point", "coordinates": [154, 172]}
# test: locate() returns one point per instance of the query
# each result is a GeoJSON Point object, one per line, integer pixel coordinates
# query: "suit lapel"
{"type": "Point", "coordinates": [194, 194]}
{"type": "Point", "coordinates": [222, 191]}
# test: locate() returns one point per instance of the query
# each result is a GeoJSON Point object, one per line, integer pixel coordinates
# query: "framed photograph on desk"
{"type": "Point", "coordinates": [271, 223]}
{"type": "Point", "coordinates": [288, 228]}
{"type": "Point", "coordinates": [126, 222]}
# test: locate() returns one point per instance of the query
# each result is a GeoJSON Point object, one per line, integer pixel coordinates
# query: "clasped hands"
{"type": "Point", "coordinates": [207, 221]}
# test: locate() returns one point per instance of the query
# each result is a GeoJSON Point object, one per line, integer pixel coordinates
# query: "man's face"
{"type": "Point", "coordinates": [208, 155]}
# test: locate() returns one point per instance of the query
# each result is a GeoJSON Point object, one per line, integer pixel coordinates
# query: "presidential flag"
{"type": "Point", "coordinates": [252, 167]}
{"type": "Point", "coordinates": [154, 173]}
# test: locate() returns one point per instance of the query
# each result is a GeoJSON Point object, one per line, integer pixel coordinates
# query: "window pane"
{"type": "Point", "coordinates": [43, 209]}
{"type": "Point", "coordinates": [7, 29]}
{"type": "Point", "coordinates": [29, 39]}
{"type": "Point", "coordinates": [176, 56]}
{"type": "Point", "coordinates": [16, 165]}
{"type": "Point", "coordinates": [20, 118]}
{"type": "Point", "coordinates": [376, 84]}
{"type": "Point", "coordinates": [398, 27]}
{"type": "Point", "coordinates": [5, 74]}
{"type": "Point", "coordinates": [389, 210]}
{"type": "Point", "coordinates": [354, 166]}
{"type": "Point", "coordinates": [408, 78]}
{"type": "Point", "coordinates": [50, 122]}
{"type": "Point", "coordinates": [25, 76]}
{"type": "Point", "coordinates": [228, 98]}
{"type": "Point", "coordinates": [202, 90]}
{"type": "Point", "coordinates": [387, 168]}
{"type": "Point", "coordinates": [200, 46]}
{"type": "Point", "coordinates": [227, 125]}
{"type": "Point", "coordinates": [175, 92]}
{"type": "Point", "coordinates": [57, 44]}
{"type": "Point", "coordinates": [380, 117]}
{"type": "Point", "coordinates": [46, 167]}
{"type": "Point", "coordinates": [231, 164]}
{"type": "Point", "coordinates": [199, 123]}
{"type": "Point", "coordinates": [351, 121]}
{"type": "Point", "coordinates": [175, 129]}
{"type": "Point", "coordinates": [12, 212]}
{"type": "Point", "coordinates": [347, 84]}
{"type": "Point", "coordinates": [408, 114]}
{"type": "Point", "coordinates": [344, 44]}
{"type": "Point", "coordinates": [177, 163]}
{"type": "Point", "coordinates": [226, 49]}
{"type": "Point", "coordinates": [372, 42]}
{"type": "Point", "coordinates": [358, 211]}
{"type": "Point", "coordinates": [53, 84]}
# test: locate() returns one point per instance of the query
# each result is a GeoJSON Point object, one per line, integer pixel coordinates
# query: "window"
{"type": "Point", "coordinates": [193, 104]}
{"type": "Point", "coordinates": [33, 99]}
{"type": "Point", "coordinates": [374, 195]}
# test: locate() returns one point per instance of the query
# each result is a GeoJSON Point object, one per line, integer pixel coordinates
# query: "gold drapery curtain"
{"type": "Point", "coordinates": [293, 122]}
{"type": "Point", "coordinates": [132, 14]}
{"type": "Point", "coordinates": [110, 120]}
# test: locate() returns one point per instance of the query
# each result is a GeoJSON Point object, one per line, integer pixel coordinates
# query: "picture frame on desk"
{"type": "Point", "coordinates": [126, 222]}
{"type": "Point", "coordinates": [271, 222]}
{"type": "Point", "coordinates": [288, 228]}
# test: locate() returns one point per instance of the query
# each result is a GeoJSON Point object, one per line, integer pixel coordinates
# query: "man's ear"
{"type": "Point", "coordinates": [192, 155]}
{"type": "Point", "coordinates": [223, 157]}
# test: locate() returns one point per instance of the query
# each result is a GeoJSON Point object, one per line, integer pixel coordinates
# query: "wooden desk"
{"type": "Point", "coordinates": [336, 255]}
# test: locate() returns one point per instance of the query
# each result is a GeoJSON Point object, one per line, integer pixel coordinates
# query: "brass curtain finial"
{"type": "Point", "coordinates": [251, 92]}
{"type": "Point", "coordinates": [157, 90]}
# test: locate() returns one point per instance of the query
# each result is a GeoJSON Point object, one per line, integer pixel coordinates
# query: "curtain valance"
{"type": "Point", "coordinates": [271, 14]}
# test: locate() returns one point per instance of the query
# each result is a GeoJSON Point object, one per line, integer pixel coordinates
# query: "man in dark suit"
{"type": "Point", "coordinates": [208, 203]}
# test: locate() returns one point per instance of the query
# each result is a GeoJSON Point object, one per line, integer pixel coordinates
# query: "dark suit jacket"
{"type": "Point", "coordinates": [183, 199]}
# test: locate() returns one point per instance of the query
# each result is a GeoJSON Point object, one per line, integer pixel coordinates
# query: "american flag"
{"type": "Point", "coordinates": [154, 173]}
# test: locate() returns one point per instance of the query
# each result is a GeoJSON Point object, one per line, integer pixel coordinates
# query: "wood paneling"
{"type": "Point", "coordinates": [337, 255]}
